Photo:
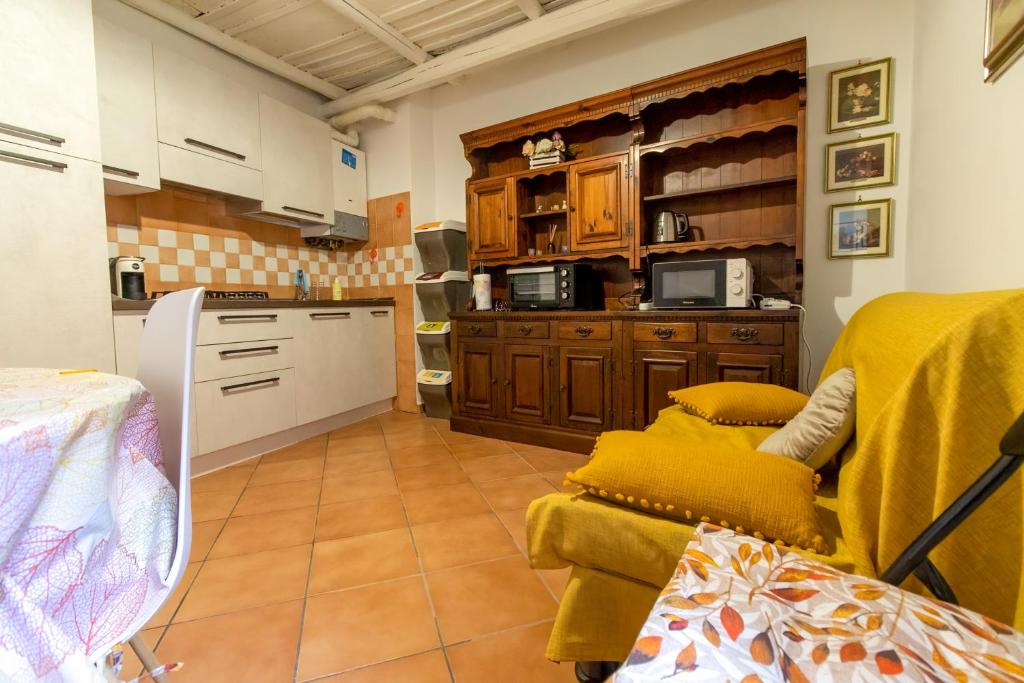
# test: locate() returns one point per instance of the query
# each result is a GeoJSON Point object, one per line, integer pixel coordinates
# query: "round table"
{"type": "Point", "coordinates": [87, 520]}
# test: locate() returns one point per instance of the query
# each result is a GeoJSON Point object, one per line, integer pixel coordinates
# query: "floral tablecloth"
{"type": "Point", "coordinates": [738, 609]}
{"type": "Point", "coordinates": [87, 520]}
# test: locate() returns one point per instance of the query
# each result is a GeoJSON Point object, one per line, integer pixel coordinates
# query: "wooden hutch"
{"type": "Point", "coordinates": [722, 143]}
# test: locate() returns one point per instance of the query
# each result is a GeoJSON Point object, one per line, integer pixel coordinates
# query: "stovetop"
{"type": "Point", "coordinates": [221, 294]}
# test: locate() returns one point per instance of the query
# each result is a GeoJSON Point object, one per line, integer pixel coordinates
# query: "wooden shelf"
{"type": "Point", "coordinates": [680, 144]}
{"type": "Point", "coordinates": [544, 214]}
{"type": "Point", "coordinates": [731, 243]}
{"type": "Point", "coordinates": [751, 184]}
{"type": "Point", "coordinates": [550, 258]}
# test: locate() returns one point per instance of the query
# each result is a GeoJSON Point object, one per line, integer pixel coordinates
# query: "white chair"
{"type": "Point", "coordinates": [165, 369]}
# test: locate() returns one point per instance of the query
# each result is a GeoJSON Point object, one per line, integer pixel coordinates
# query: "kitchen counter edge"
{"type": "Point", "coordinates": [243, 304]}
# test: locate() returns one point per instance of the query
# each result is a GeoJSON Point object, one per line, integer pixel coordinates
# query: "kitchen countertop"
{"type": "Point", "coordinates": [237, 304]}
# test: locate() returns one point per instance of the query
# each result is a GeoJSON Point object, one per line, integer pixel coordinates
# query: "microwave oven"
{"type": "Point", "coordinates": [571, 285]}
{"type": "Point", "coordinates": [714, 283]}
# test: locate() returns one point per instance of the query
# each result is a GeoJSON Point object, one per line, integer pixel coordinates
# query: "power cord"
{"type": "Point", "coordinates": [772, 304]}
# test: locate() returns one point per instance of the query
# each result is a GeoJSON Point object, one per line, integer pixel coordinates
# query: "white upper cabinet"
{"type": "Point", "coordinates": [48, 74]}
{"type": "Point", "coordinates": [124, 74]}
{"type": "Point", "coordinates": [201, 111]}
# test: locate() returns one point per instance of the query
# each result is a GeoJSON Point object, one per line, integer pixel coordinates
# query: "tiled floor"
{"type": "Point", "coordinates": [390, 550]}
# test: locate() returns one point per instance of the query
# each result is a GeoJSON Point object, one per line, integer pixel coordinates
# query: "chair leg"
{"type": "Point", "coordinates": [594, 672]}
{"type": "Point", "coordinates": [146, 656]}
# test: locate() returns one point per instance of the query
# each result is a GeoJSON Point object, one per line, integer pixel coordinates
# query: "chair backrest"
{"type": "Point", "coordinates": [165, 369]}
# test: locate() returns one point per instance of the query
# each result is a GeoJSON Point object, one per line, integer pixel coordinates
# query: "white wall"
{"type": "Point", "coordinates": [967, 181]}
{"type": "Point", "coordinates": [164, 35]}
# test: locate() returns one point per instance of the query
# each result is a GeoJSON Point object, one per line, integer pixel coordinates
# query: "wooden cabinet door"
{"type": "Point", "coordinates": [491, 219]}
{"type": "Point", "coordinates": [585, 388]}
{"type": "Point", "coordinates": [655, 373]}
{"type": "Point", "coordinates": [598, 200]}
{"type": "Point", "coordinates": [744, 367]}
{"type": "Point", "coordinates": [526, 383]}
{"type": "Point", "coordinates": [478, 373]}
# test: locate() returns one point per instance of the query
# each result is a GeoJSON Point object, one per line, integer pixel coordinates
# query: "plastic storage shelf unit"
{"type": "Point", "coordinates": [442, 246]}
{"type": "Point", "coordinates": [434, 339]}
{"type": "Point", "coordinates": [436, 389]}
{"type": "Point", "coordinates": [443, 293]}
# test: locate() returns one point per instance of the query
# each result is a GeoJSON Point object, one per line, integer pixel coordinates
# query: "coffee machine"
{"type": "Point", "coordinates": [127, 277]}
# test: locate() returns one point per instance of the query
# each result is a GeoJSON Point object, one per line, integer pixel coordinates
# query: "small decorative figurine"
{"type": "Point", "coordinates": [565, 204]}
{"type": "Point", "coordinates": [528, 149]}
{"type": "Point", "coordinates": [557, 141]}
{"type": "Point", "coordinates": [544, 145]}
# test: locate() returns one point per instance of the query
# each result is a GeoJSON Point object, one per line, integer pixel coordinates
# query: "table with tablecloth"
{"type": "Point", "coordinates": [87, 520]}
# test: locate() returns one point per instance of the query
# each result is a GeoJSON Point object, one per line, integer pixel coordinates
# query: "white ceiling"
{"type": "Point", "coordinates": [354, 43]}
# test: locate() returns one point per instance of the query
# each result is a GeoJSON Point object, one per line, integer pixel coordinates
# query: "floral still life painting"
{"type": "Point", "coordinates": [860, 96]}
{"type": "Point", "coordinates": [856, 164]}
{"type": "Point", "coordinates": [1004, 36]}
{"type": "Point", "coordinates": [859, 229]}
{"type": "Point", "coordinates": [740, 609]}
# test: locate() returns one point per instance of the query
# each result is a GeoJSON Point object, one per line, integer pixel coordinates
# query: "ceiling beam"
{"type": "Point", "coordinates": [175, 17]}
{"type": "Point", "coordinates": [379, 29]}
{"type": "Point", "coordinates": [269, 16]}
{"type": "Point", "coordinates": [558, 26]}
{"type": "Point", "coordinates": [531, 8]}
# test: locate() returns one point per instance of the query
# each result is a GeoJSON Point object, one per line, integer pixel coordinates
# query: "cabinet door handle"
{"type": "Point", "coordinates": [475, 329]}
{"type": "Point", "coordinates": [584, 330]}
{"type": "Point", "coordinates": [664, 333]}
{"type": "Point", "coordinates": [339, 314]}
{"type": "Point", "coordinates": [255, 349]}
{"type": "Point", "coordinates": [308, 213]}
{"type": "Point", "coordinates": [561, 387]}
{"type": "Point", "coordinates": [254, 316]}
{"type": "Point", "coordinates": [214, 148]}
{"type": "Point", "coordinates": [378, 314]}
{"type": "Point", "coordinates": [508, 383]}
{"type": "Point", "coordinates": [259, 382]}
{"type": "Point", "coordinates": [744, 334]}
{"type": "Point", "coordinates": [494, 381]}
{"type": "Point", "coordinates": [120, 171]}
{"type": "Point", "coordinates": [56, 165]}
{"type": "Point", "coordinates": [27, 132]}
{"type": "Point", "coordinates": [525, 330]}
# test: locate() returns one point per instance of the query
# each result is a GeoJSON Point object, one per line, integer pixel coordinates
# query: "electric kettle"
{"type": "Point", "coordinates": [670, 226]}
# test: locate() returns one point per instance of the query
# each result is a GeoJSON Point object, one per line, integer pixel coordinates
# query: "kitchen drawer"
{"type": "Point", "coordinates": [218, 361]}
{"type": "Point", "coordinates": [236, 410]}
{"type": "Point", "coordinates": [593, 331]}
{"type": "Point", "coordinates": [524, 330]}
{"type": "Point", "coordinates": [222, 327]}
{"type": "Point", "coordinates": [480, 329]}
{"type": "Point", "coordinates": [676, 333]}
{"type": "Point", "coordinates": [763, 334]}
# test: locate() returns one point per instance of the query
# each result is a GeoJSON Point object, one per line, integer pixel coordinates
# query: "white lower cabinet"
{"type": "Point", "coordinates": [377, 376]}
{"type": "Point", "coordinates": [329, 354]}
{"type": "Point", "coordinates": [239, 409]}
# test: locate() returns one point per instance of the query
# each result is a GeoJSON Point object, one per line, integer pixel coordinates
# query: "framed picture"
{"type": "Point", "coordinates": [860, 229]}
{"type": "Point", "coordinates": [856, 164]}
{"type": "Point", "coordinates": [860, 96]}
{"type": "Point", "coordinates": [1004, 36]}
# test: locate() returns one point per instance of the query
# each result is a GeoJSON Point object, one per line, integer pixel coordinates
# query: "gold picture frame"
{"type": "Point", "coordinates": [860, 229]}
{"type": "Point", "coordinates": [1004, 36]}
{"type": "Point", "coordinates": [861, 163]}
{"type": "Point", "coordinates": [860, 96]}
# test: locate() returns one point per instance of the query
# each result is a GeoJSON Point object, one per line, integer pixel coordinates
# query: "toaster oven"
{"type": "Point", "coordinates": [570, 285]}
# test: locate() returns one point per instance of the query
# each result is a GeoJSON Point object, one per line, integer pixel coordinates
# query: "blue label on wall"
{"type": "Point", "coordinates": [348, 158]}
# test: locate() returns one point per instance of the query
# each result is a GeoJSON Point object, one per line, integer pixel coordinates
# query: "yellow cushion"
{"type": "Point", "coordinates": [740, 403]}
{"type": "Point", "coordinates": [755, 493]}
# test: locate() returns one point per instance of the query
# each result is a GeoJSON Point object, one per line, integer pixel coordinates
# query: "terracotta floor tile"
{"type": "Point", "coordinates": [443, 502]}
{"type": "Point", "coordinates": [350, 445]}
{"type": "Point", "coordinates": [420, 457]}
{"type": "Point", "coordinates": [227, 479]}
{"type": "Point", "coordinates": [546, 460]}
{"type": "Point", "coordinates": [515, 522]}
{"type": "Point", "coordinates": [364, 428]}
{"type": "Point", "coordinates": [555, 579]}
{"type": "Point", "coordinates": [266, 531]}
{"type": "Point", "coordinates": [166, 611]}
{"type": "Point", "coordinates": [348, 629]}
{"type": "Point", "coordinates": [208, 505]}
{"type": "Point", "coordinates": [517, 492]}
{"type": "Point", "coordinates": [132, 665]}
{"type": "Point", "coordinates": [254, 645]}
{"type": "Point", "coordinates": [488, 597]}
{"type": "Point", "coordinates": [496, 467]}
{"type": "Point", "coordinates": [430, 476]}
{"type": "Point", "coordinates": [234, 583]}
{"type": "Point", "coordinates": [518, 654]}
{"type": "Point", "coordinates": [428, 667]}
{"type": "Point", "coordinates": [295, 494]}
{"type": "Point", "coordinates": [358, 487]}
{"type": "Point", "coordinates": [357, 560]}
{"type": "Point", "coordinates": [358, 463]}
{"type": "Point", "coordinates": [312, 448]}
{"type": "Point", "coordinates": [463, 540]}
{"type": "Point", "coordinates": [414, 440]}
{"type": "Point", "coordinates": [203, 536]}
{"type": "Point", "coordinates": [289, 470]}
{"type": "Point", "coordinates": [439, 424]}
{"type": "Point", "coordinates": [357, 517]}
{"type": "Point", "coordinates": [463, 437]}
{"type": "Point", "coordinates": [483, 449]}
{"type": "Point", "coordinates": [557, 479]}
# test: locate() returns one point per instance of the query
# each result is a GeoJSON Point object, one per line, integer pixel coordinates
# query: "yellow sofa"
{"type": "Point", "coordinates": [939, 380]}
